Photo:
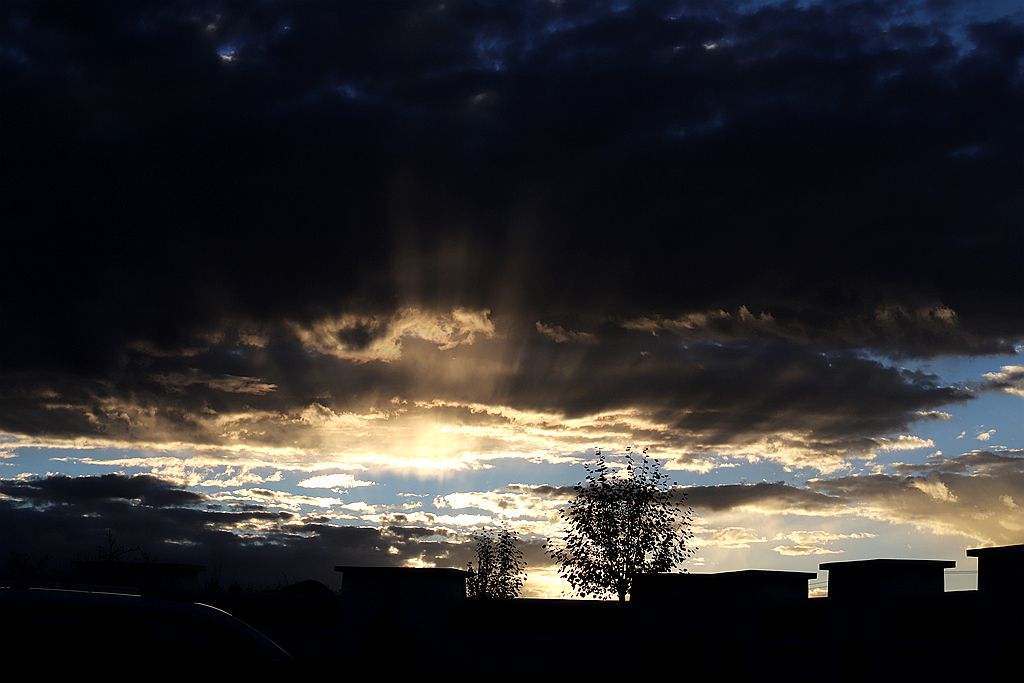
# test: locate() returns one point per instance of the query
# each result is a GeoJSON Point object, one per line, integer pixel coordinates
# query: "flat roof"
{"type": "Point", "coordinates": [996, 550]}
{"type": "Point", "coordinates": [767, 573]}
{"type": "Point", "coordinates": [740, 573]}
{"type": "Point", "coordinates": [408, 571]}
{"type": "Point", "coordinates": [888, 564]}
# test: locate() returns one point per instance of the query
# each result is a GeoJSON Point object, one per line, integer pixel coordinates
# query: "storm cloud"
{"type": "Point", "coordinates": [52, 521]}
{"type": "Point", "coordinates": [340, 242]}
{"type": "Point", "coordinates": [538, 159]}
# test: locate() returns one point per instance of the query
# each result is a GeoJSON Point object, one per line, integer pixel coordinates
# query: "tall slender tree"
{"type": "Point", "coordinates": [500, 569]}
{"type": "Point", "coordinates": [622, 522]}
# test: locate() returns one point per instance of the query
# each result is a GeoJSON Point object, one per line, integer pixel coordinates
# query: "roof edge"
{"type": "Point", "coordinates": [888, 562]}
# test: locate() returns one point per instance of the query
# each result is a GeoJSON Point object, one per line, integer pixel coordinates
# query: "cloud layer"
{"type": "Point", "coordinates": [269, 255]}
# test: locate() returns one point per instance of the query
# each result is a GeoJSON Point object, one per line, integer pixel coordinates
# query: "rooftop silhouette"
{"type": "Point", "coordinates": [882, 619]}
{"type": "Point", "coordinates": [882, 579]}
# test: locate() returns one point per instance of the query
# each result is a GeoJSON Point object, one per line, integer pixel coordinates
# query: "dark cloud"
{"type": "Point", "coordinates": [1009, 378]}
{"type": "Point", "coordinates": [895, 329]}
{"type": "Point", "coordinates": [973, 461]}
{"type": "Point", "coordinates": [696, 396]}
{"type": "Point", "coordinates": [977, 495]}
{"type": "Point", "coordinates": [61, 519]}
{"type": "Point", "coordinates": [729, 392]}
{"type": "Point", "coordinates": [166, 169]}
{"type": "Point", "coordinates": [146, 489]}
{"type": "Point", "coordinates": [776, 496]}
{"type": "Point", "coordinates": [718, 216]}
{"type": "Point", "coordinates": [543, 490]}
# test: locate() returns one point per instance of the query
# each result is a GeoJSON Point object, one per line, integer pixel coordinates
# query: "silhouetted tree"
{"type": "Point", "coordinates": [500, 569]}
{"type": "Point", "coordinates": [621, 524]}
{"type": "Point", "coordinates": [111, 551]}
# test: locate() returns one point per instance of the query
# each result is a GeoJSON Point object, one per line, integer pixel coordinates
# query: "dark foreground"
{"type": "Point", "coordinates": [953, 634]}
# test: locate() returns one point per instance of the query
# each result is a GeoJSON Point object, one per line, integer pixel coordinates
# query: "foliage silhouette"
{"type": "Point", "coordinates": [500, 569]}
{"type": "Point", "coordinates": [622, 523]}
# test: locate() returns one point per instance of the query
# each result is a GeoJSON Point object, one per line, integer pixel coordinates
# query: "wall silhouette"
{"type": "Point", "coordinates": [884, 619]}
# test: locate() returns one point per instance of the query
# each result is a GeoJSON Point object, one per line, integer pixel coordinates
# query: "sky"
{"type": "Point", "coordinates": [293, 285]}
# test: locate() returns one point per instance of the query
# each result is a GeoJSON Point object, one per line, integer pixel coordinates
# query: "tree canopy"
{"type": "Point", "coordinates": [500, 569]}
{"type": "Point", "coordinates": [623, 521]}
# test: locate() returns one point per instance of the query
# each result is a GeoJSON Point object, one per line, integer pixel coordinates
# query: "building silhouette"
{"type": "Point", "coordinates": [883, 619]}
{"type": "Point", "coordinates": [874, 581]}
{"type": "Point", "coordinates": [1000, 573]}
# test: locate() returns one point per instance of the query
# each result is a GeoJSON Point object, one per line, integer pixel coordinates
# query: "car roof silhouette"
{"type": "Point", "coordinates": [132, 628]}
